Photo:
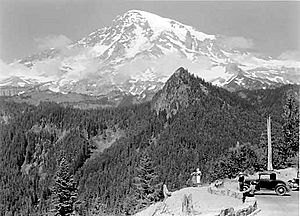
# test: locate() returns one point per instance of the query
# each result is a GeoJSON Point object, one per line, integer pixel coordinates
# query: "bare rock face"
{"type": "Point", "coordinates": [180, 91]}
{"type": "Point", "coordinates": [188, 40]}
{"type": "Point", "coordinates": [175, 94]}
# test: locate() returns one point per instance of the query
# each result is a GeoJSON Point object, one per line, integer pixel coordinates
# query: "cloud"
{"type": "Point", "coordinates": [238, 42]}
{"type": "Point", "coordinates": [52, 41]}
{"type": "Point", "coordinates": [290, 55]}
{"type": "Point", "coordinates": [77, 64]}
{"type": "Point", "coordinates": [7, 70]}
{"type": "Point", "coordinates": [163, 66]}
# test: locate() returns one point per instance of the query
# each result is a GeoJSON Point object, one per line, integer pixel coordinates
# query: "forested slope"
{"type": "Point", "coordinates": [188, 124]}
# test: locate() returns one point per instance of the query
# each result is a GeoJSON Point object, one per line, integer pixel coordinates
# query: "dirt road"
{"type": "Point", "coordinates": [273, 205]}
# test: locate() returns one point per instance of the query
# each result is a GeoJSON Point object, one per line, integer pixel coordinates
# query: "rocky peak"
{"type": "Point", "coordinates": [175, 94]}
{"type": "Point", "coordinates": [181, 74]}
{"type": "Point", "coordinates": [130, 18]}
{"type": "Point", "coordinates": [180, 77]}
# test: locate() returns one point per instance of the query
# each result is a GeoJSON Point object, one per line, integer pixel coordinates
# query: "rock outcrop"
{"type": "Point", "coordinates": [181, 90]}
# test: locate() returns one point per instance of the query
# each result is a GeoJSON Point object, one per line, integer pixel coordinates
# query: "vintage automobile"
{"type": "Point", "coordinates": [268, 181]}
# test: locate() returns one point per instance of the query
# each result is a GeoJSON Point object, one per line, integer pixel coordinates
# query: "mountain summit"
{"type": "Point", "coordinates": [180, 91]}
{"type": "Point", "coordinates": [137, 54]}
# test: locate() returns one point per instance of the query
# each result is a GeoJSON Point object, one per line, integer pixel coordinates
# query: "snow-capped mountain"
{"type": "Point", "coordinates": [138, 53]}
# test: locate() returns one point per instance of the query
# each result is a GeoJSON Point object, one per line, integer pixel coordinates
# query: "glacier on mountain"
{"type": "Point", "coordinates": [137, 54]}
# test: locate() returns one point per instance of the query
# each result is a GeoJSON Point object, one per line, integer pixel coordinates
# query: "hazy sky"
{"type": "Point", "coordinates": [29, 26]}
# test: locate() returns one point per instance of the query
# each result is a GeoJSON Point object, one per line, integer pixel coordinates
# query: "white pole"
{"type": "Point", "coordinates": [270, 167]}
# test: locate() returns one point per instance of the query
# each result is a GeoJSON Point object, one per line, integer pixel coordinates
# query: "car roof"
{"type": "Point", "coordinates": [267, 172]}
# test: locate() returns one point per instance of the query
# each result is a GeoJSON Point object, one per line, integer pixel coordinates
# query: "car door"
{"type": "Point", "coordinates": [273, 181]}
{"type": "Point", "coordinates": [264, 182]}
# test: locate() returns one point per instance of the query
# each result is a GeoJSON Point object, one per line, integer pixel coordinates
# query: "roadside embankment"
{"type": "Point", "coordinates": [205, 201]}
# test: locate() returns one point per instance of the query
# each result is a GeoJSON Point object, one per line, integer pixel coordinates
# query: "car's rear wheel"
{"type": "Point", "coordinates": [280, 190]}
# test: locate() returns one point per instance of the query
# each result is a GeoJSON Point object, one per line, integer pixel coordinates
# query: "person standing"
{"type": "Point", "coordinates": [165, 190]}
{"type": "Point", "coordinates": [250, 191]}
{"type": "Point", "coordinates": [241, 181]}
{"type": "Point", "coordinates": [197, 175]}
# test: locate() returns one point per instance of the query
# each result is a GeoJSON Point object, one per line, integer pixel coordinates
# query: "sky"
{"type": "Point", "coordinates": [30, 26]}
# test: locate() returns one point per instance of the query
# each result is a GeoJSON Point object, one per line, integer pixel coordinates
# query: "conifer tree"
{"type": "Point", "coordinates": [146, 182]}
{"type": "Point", "coordinates": [291, 124]}
{"type": "Point", "coordinates": [64, 191]}
{"type": "Point", "coordinates": [130, 203]}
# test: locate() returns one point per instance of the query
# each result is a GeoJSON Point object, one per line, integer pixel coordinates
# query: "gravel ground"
{"type": "Point", "coordinates": [203, 202]}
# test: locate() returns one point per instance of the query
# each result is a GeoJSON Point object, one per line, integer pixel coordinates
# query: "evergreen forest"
{"type": "Point", "coordinates": [60, 160]}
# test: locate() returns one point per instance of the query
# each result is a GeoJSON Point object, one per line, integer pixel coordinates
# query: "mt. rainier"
{"type": "Point", "coordinates": [137, 54]}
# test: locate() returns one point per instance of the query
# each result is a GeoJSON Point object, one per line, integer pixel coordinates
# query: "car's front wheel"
{"type": "Point", "coordinates": [280, 190]}
{"type": "Point", "coordinates": [245, 187]}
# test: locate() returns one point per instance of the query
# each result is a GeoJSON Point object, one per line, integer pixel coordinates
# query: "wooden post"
{"type": "Point", "coordinates": [270, 167]}
{"type": "Point", "coordinates": [187, 205]}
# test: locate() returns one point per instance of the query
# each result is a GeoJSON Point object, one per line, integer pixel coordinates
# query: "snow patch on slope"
{"type": "Point", "coordinates": [159, 24]}
{"type": "Point", "coordinates": [141, 43]}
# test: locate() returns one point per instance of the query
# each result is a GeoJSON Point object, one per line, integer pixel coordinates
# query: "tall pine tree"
{"type": "Point", "coordinates": [146, 183]}
{"type": "Point", "coordinates": [64, 191]}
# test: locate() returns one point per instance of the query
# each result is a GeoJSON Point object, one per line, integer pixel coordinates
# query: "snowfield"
{"type": "Point", "coordinates": [140, 47]}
